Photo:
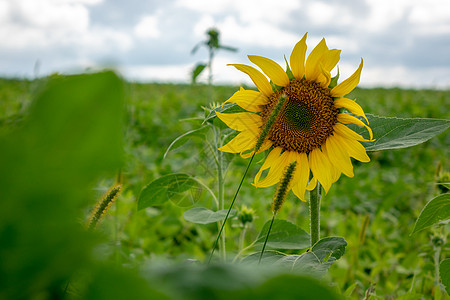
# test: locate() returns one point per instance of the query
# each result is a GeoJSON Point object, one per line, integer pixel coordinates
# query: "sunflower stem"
{"type": "Point", "coordinates": [314, 210]}
{"type": "Point", "coordinates": [229, 209]}
{"type": "Point", "coordinates": [221, 202]}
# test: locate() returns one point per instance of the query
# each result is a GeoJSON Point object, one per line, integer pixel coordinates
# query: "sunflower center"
{"type": "Point", "coordinates": [298, 116]}
{"type": "Point", "coordinates": [306, 119]}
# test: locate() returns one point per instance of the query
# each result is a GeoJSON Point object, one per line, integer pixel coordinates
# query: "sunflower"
{"type": "Point", "coordinates": [310, 128]}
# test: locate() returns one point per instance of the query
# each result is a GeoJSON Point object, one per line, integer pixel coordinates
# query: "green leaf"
{"type": "Point", "coordinates": [284, 235]}
{"type": "Point", "coordinates": [307, 264]}
{"type": "Point", "coordinates": [396, 133]}
{"type": "Point", "coordinates": [183, 138]}
{"type": "Point", "coordinates": [444, 271]}
{"type": "Point", "coordinates": [71, 135]}
{"type": "Point", "coordinates": [227, 108]}
{"type": "Point", "coordinates": [175, 187]}
{"type": "Point", "coordinates": [350, 289]}
{"type": "Point", "coordinates": [269, 258]}
{"type": "Point", "coordinates": [436, 210]}
{"type": "Point", "coordinates": [202, 215]}
{"type": "Point", "coordinates": [291, 286]}
{"type": "Point", "coordinates": [197, 71]}
{"type": "Point", "coordinates": [329, 246]}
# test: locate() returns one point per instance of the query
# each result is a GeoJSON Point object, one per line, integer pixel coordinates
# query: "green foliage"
{"type": "Point", "coordinates": [437, 210]}
{"type": "Point", "coordinates": [176, 187]}
{"type": "Point", "coordinates": [38, 257]}
{"type": "Point", "coordinates": [284, 235]}
{"type": "Point", "coordinates": [197, 71]}
{"type": "Point", "coordinates": [71, 136]}
{"type": "Point", "coordinates": [396, 133]}
{"type": "Point", "coordinates": [202, 215]}
{"type": "Point", "coordinates": [213, 44]}
{"type": "Point", "coordinates": [444, 270]}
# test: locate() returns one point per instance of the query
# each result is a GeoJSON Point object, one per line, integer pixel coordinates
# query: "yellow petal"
{"type": "Point", "coordinates": [348, 133]}
{"type": "Point", "coordinates": [338, 156]}
{"type": "Point", "coordinates": [320, 166]}
{"type": "Point", "coordinates": [276, 171]}
{"type": "Point", "coordinates": [241, 121]}
{"type": "Point", "coordinates": [327, 63]}
{"type": "Point", "coordinates": [348, 84]}
{"type": "Point", "coordinates": [312, 184]}
{"type": "Point", "coordinates": [271, 69]}
{"type": "Point", "coordinates": [335, 173]}
{"type": "Point", "coordinates": [270, 159]}
{"type": "Point", "coordinates": [297, 59]}
{"type": "Point", "coordinates": [248, 100]}
{"type": "Point", "coordinates": [330, 59]}
{"type": "Point", "coordinates": [242, 142]}
{"type": "Point", "coordinates": [266, 145]}
{"type": "Point", "coordinates": [257, 77]}
{"type": "Point", "coordinates": [353, 148]}
{"type": "Point", "coordinates": [312, 70]}
{"type": "Point", "coordinates": [324, 77]}
{"type": "Point", "coordinates": [301, 176]}
{"type": "Point", "coordinates": [347, 119]}
{"type": "Point", "coordinates": [351, 105]}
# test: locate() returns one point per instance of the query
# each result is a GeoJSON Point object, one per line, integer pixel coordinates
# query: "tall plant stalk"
{"type": "Point", "coordinates": [314, 212]}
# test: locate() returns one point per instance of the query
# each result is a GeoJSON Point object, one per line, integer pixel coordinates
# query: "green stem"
{"type": "Point", "coordinates": [231, 206]}
{"type": "Point", "coordinates": [437, 255]}
{"type": "Point", "coordinates": [314, 210]}
{"type": "Point", "coordinates": [221, 201]}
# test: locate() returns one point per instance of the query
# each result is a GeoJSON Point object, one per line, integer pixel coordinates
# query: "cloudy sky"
{"type": "Point", "coordinates": [403, 42]}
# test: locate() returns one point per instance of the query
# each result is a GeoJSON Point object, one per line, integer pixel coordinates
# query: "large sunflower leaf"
{"type": "Point", "coordinates": [177, 187]}
{"type": "Point", "coordinates": [202, 215]}
{"type": "Point", "coordinates": [396, 133]}
{"type": "Point", "coordinates": [284, 235]}
{"type": "Point", "coordinates": [436, 210]}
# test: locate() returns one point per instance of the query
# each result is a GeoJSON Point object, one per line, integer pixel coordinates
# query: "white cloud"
{"type": "Point", "coordinates": [147, 28]}
{"type": "Point", "coordinates": [257, 33]}
{"type": "Point", "coordinates": [47, 24]}
{"type": "Point", "coordinates": [431, 17]}
{"type": "Point", "coordinates": [169, 73]}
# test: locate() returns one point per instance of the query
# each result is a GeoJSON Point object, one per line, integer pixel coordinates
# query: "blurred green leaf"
{"type": "Point", "coordinates": [329, 246]}
{"type": "Point", "coordinates": [444, 271]}
{"type": "Point", "coordinates": [202, 215]}
{"type": "Point", "coordinates": [317, 262]}
{"type": "Point", "coordinates": [109, 282]}
{"type": "Point", "coordinates": [289, 286]}
{"type": "Point", "coordinates": [197, 71]}
{"type": "Point", "coordinates": [436, 210]}
{"type": "Point", "coordinates": [235, 281]}
{"type": "Point", "coordinates": [71, 135]}
{"type": "Point", "coordinates": [174, 187]}
{"type": "Point", "coordinates": [284, 235]}
{"type": "Point", "coordinates": [396, 133]}
{"type": "Point", "coordinates": [184, 138]}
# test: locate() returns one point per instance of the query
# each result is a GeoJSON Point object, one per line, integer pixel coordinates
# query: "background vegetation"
{"type": "Point", "coordinates": [375, 211]}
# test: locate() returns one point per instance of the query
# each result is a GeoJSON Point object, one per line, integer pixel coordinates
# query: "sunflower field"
{"type": "Point", "coordinates": [111, 189]}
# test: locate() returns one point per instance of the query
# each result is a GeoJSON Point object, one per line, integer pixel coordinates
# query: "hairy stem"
{"type": "Point", "coordinates": [314, 211]}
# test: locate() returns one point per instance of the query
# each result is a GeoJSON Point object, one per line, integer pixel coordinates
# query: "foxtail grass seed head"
{"type": "Point", "coordinates": [268, 125]}
{"type": "Point", "coordinates": [283, 187]}
{"type": "Point", "coordinates": [102, 207]}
